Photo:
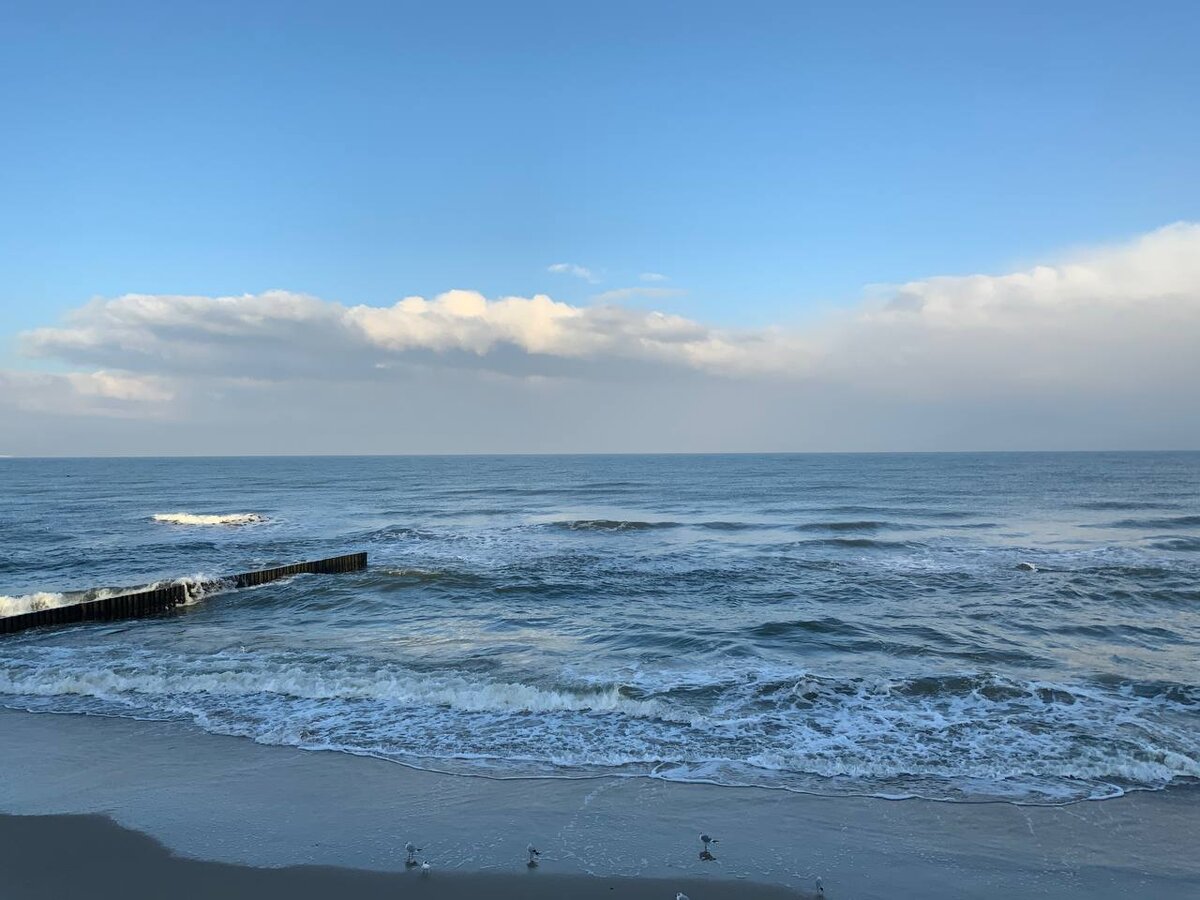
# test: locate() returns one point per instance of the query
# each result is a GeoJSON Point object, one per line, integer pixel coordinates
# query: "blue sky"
{"type": "Point", "coordinates": [766, 156]}
{"type": "Point", "coordinates": [770, 159]}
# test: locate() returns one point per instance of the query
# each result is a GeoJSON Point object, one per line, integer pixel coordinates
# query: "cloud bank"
{"type": "Point", "coordinates": [1096, 349]}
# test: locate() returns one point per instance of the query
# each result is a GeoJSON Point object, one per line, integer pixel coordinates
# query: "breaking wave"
{"type": "Point", "coordinates": [185, 518]}
{"type": "Point", "coordinates": [1025, 741]}
{"type": "Point", "coordinates": [198, 587]}
{"type": "Point", "coordinates": [27, 603]}
{"type": "Point", "coordinates": [306, 683]}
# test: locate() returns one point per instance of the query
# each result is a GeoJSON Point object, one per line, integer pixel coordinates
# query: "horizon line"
{"type": "Point", "coordinates": [537, 453]}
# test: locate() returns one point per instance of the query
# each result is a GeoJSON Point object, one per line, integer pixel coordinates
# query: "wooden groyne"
{"type": "Point", "coordinates": [156, 600]}
{"type": "Point", "coordinates": [335, 565]}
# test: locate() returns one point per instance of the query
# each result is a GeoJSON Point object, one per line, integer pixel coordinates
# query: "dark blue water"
{"type": "Point", "coordinates": [1022, 626]}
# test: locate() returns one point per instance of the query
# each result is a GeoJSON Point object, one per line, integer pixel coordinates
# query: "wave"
{"type": "Point", "coordinates": [403, 533]}
{"type": "Point", "coordinates": [828, 625]}
{"type": "Point", "coordinates": [408, 575]}
{"type": "Point", "coordinates": [860, 525]}
{"type": "Point", "coordinates": [917, 512]}
{"type": "Point", "coordinates": [185, 518]}
{"type": "Point", "coordinates": [198, 587]}
{"type": "Point", "coordinates": [27, 603]}
{"type": "Point", "coordinates": [956, 735]}
{"type": "Point", "coordinates": [611, 525]}
{"type": "Point", "coordinates": [303, 683]}
{"type": "Point", "coordinates": [858, 543]}
{"type": "Point", "coordinates": [1177, 545]}
{"type": "Point", "coordinates": [1116, 505]}
{"type": "Point", "coordinates": [1162, 522]}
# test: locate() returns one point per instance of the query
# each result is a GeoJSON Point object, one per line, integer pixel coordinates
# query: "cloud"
{"type": "Point", "coordinates": [1121, 319]}
{"type": "Point", "coordinates": [101, 393]}
{"type": "Point", "coordinates": [1097, 348]}
{"type": "Point", "coordinates": [279, 334]}
{"type": "Point", "coordinates": [572, 269]}
{"type": "Point", "coordinates": [653, 276]}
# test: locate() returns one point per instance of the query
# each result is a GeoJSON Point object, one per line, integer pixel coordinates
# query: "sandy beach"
{"type": "Point", "coordinates": [254, 813]}
{"type": "Point", "coordinates": [110, 861]}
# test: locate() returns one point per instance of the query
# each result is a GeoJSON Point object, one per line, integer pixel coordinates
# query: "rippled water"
{"type": "Point", "coordinates": [1021, 626]}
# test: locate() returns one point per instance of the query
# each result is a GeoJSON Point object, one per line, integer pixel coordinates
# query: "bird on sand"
{"type": "Point", "coordinates": [534, 853]}
{"type": "Point", "coordinates": [706, 840]}
{"type": "Point", "coordinates": [820, 888]}
{"type": "Point", "coordinates": [412, 850]}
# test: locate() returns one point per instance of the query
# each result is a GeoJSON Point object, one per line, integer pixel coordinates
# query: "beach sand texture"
{"type": "Point", "coordinates": [106, 861]}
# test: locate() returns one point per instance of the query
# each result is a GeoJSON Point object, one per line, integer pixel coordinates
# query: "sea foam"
{"type": "Point", "coordinates": [186, 518]}
{"type": "Point", "coordinates": [27, 603]}
{"type": "Point", "coordinates": [197, 587]}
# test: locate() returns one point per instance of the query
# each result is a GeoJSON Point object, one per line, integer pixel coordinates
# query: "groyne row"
{"type": "Point", "coordinates": [161, 599]}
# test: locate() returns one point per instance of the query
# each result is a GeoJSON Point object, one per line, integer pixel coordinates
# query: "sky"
{"type": "Point", "coordinates": [598, 227]}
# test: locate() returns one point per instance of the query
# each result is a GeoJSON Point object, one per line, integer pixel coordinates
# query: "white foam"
{"type": "Point", "coordinates": [197, 587]}
{"type": "Point", "coordinates": [977, 736]}
{"type": "Point", "coordinates": [27, 603]}
{"type": "Point", "coordinates": [186, 518]}
{"type": "Point", "coordinates": [449, 691]}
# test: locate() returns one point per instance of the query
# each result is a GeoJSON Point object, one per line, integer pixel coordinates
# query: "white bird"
{"type": "Point", "coordinates": [820, 888]}
{"type": "Point", "coordinates": [706, 840]}
{"type": "Point", "coordinates": [412, 850]}
{"type": "Point", "coordinates": [425, 867]}
{"type": "Point", "coordinates": [682, 896]}
{"type": "Point", "coordinates": [534, 853]}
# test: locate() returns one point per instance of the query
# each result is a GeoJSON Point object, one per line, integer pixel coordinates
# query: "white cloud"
{"type": "Point", "coordinates": [1096, 349]}
{"type": "Point", "coordinates": [283, 334]}
{"type": "Point", "coordinates": [101, 393]}
{"type": "Point", "coordinates": [653, 276]}
{"type": "Point", "coordinates": [572, 269]}
{"type": "Point", "coordinates": [1123, 318]}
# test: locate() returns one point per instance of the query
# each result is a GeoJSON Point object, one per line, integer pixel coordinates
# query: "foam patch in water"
{"type": "Point", "coordinates": [185, 518]}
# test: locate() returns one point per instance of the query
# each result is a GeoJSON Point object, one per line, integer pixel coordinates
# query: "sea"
{"type": "Point", "coordinates": [1018, 627]}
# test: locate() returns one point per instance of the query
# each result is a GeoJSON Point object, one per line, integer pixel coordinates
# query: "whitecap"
{"type": "Point", "coordinates": [186, 518]}
{"type": "Point", "coordinates": [27, 603]}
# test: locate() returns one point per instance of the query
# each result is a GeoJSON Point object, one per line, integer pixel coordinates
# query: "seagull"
{"type": "Point", "coordinates": [820, 888]}
{"type": "Point", "coordinates": [534, 853]}
{"type": "Point", "coordinates": [706, 840]}
{"type": "Point", "coordinates": [412, 850]}
{"type": "Point", "coordinates": [425, 867]}
{"type": "Point", "coordinates": [682, 896]}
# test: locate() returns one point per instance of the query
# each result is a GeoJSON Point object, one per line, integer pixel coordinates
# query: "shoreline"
{"type": "Point", "coordinates": [230, 801]}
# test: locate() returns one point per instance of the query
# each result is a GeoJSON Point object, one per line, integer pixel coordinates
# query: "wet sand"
{"type": "Point", "coordinates": [52, 857]}
{"type": "Point", "coordinates": [255, 812]}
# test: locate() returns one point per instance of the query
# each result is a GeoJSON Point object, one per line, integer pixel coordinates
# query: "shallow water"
{"type": "Point", "coordinates": [961, 626]}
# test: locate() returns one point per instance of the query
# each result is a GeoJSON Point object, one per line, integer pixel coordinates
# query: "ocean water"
{"type": "Point", "coordinates": [962, 627]}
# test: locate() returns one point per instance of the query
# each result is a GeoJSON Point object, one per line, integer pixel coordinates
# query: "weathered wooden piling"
{"type": "Point", "coordinates": [144, 603]}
